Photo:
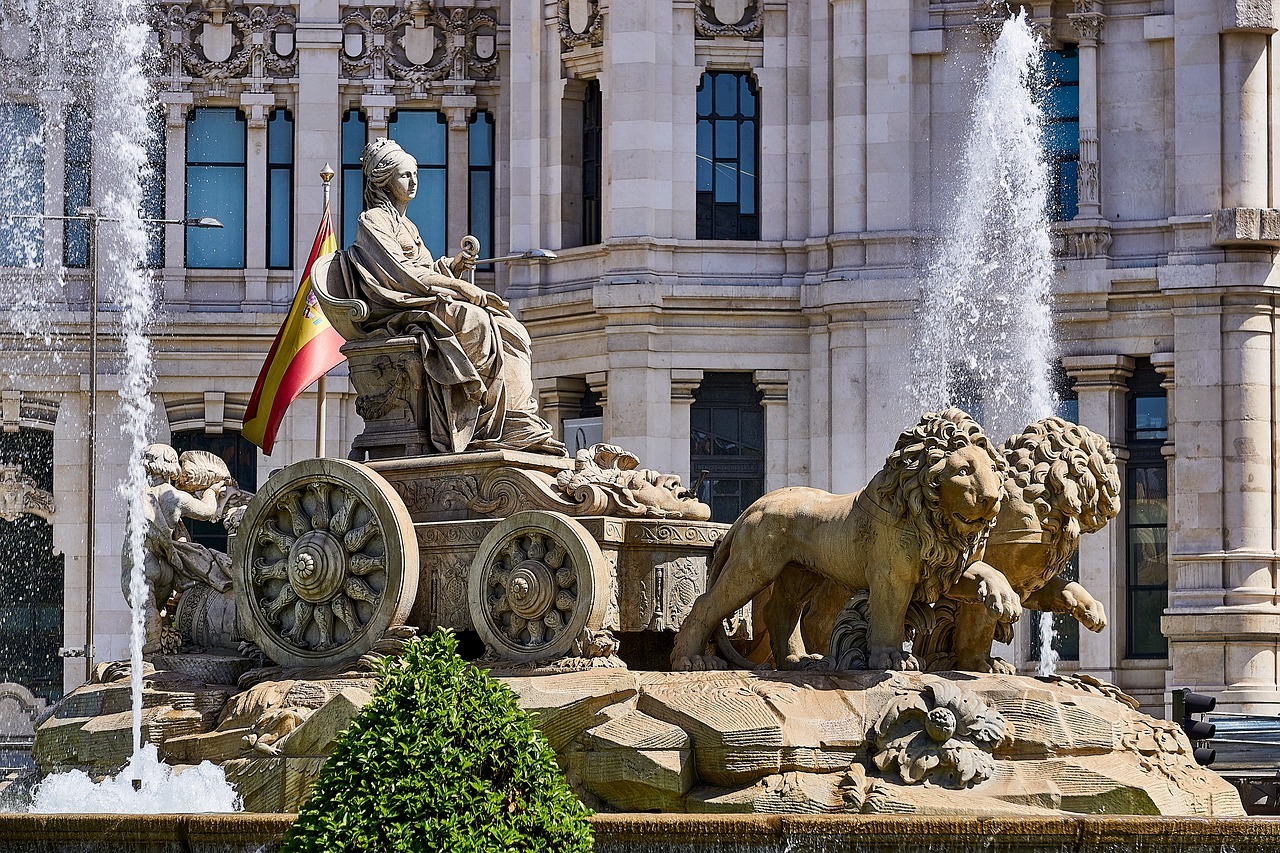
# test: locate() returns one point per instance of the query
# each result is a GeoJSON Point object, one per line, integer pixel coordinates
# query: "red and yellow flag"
{"type": "Point", "coordinates": [305, 348]}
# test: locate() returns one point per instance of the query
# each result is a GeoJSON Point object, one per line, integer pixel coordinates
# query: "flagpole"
{"type": "Point", "coordinates": [322, 404]}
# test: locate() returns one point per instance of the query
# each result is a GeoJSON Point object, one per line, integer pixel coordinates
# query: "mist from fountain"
{"type": "Point", "coordinates": [984, 337]}
{"type": "Point", "coordinates": [104, 49]}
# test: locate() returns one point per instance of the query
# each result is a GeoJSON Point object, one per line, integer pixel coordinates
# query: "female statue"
{"type": "Point", "coordinates": [475, 354]}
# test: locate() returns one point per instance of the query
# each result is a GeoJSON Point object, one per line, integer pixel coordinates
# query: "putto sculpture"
{"type": "Point", "coordinates": [915, 532]}
{"type": "Point", "coordinates": [439, 352]}
{"type": "Point", "coordinates": [195, 486]}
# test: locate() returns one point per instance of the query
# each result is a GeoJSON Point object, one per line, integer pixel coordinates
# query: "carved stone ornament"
{"type": "Point", "coordinates": [1088, 182]}
{"type": "Point", "coordinates": [631, 490]}
{"type": "Point", "coordinates": [943, 735]}
{"type": "Point", "coordinates": [580, 22]}
{"type": "Point", "coordinates": [742, 18]}
{"type": "Point", "coordinates": [537, 583]}
{"type": "Point", "coordinates": [19, 494]}
{"type": "Point", "coordinates": [419, 44]}
{"type": "Point", "coordinates": [326, 562]}
{"type": "Point", "coordinates": [218, 43]}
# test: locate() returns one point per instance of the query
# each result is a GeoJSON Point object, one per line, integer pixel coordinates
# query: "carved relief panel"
{"type": "Point", "coordinates": [218, 43]}
{"type": "Point", "coordinates": [580, 23]}
{"type": "Point", "coordinates": [419, 44]}
{"type": "Point", "coordinates": [743, 18]}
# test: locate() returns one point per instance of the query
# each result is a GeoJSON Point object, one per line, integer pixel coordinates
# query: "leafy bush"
{"type": "Point", "coordinates": [440, 759]}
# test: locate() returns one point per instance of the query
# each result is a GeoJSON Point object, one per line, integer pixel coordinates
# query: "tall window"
{"type": "Point", "coordinates": [216, 187]}
{"type": "Point", "coordinates": [727, 442]}
{"type": "Point", "coordinates": [592, 164]}
{"type": "Point", "coordinates": [79, 187]}
{"type": "Point", "coordinates": [31, 577]}
{"type": "Point", "coordinates": [424, 134]}
{"type": "Point", "coordinates": [1062, 129]}
{"type": "Point", "coordinates": [354, 132]}
{"type": "Point", "coordinates": [22, 240]}
{"type": "Point", "coordinates": [280, 190]}
{"type": "Point", "coordinates": [480, 145]}
{"type": "Point", "coordinates": [153, 190]}
{"type": "Point", "coordinates": [242, 461]}
{"type": "Point", "coordinates": [728, 150]}
{"type": "Point", "coordinates": [1146, 511]}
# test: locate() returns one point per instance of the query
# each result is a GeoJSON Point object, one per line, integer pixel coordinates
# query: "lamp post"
{"type": "Point", "coordinates": [91, 216]}
{"type": "Point", "coordinates": [527, 255]}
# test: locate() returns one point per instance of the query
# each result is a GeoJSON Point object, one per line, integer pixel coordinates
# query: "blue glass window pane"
{"type": "Point", "coordinates": [78, 144]}
{"type": "Point", "coordinates": [280, 138]}
{"type": "Point", "coordinates": [427, 210]}
{"type": "Point", "coordinates": [482, 211]}
{"type": "Point", "coordinates": [480, 139]}
{"type": "Point", "coordinates": [705, 155]}
{"type": "Point", "coordinates": [1067, 189]}
{"type": "Point", "coordinates": [1063, 102]}
{"type": "Point", "coordinates": [217, 191]}
{"type": "Point", "coordinates": [1062, 66]}
{"type": "Point", "coordinates": [746, 99]}
{"type": "Point", "coordinates": [726, 140]}
{"type": "Point", "coordinates": [352, 203]}
{"type": "Point", "coordinates": [423, 134]}
{"type": "Point", "coordinates": [704, 99]}
{"type": "Point", "coordinates": [353, 137]}
{"type": "Point", "coordinates": [1062, 136]}
{"type": "Point", "coordinates": [280, 221]}
{"type": "Point", "coordinates": [726, 183]}
{"type": "Point", "coordinates": [747, 197]}
{"type": "Point", "coordinates": [215, 136]}
{"type": "Point", "coordinates": [726, 94]}
{"type": "Point", "coordinates": [747, 148]}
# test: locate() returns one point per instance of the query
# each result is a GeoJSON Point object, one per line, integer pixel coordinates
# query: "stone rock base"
{"type": "Point", "coordinates": [712, 742]}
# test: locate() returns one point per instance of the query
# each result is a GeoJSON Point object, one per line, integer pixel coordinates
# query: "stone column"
{"type": "Point", "coordinates": [888, 110]}
{"type": "Point", "coordinates": [176, 106]}
{"type": "Point", "coordinates": [1244, 118]}
{"type": "Point", "coordinates": [684, 382]}
{"type": "Point", "coordinates": [458, 109]}
{"type": "Point", "coordinates": [1100, 382]}
{"type": "Point", "coordinates": [559, 398]}
{"type": "Point", "coordinates": [317, 119]}
{"type": "Point", "coordinates": [772, 385]}
{"type": "Point", "coordinates": [257, 110]}
{"type": "Point", "coordinates": [1087, 21]}
{"type": "Point", "coordinates": [849, 115]}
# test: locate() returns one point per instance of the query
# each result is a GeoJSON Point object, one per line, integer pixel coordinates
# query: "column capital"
{"type": "Point", "coordinates": [684, 381]}
{"type": "Point", "coordinates": [1098, 372]}
{"type": "Point", "coordinates": [599, 383]}
{"type": "Point", "coordinates": [772, 384]}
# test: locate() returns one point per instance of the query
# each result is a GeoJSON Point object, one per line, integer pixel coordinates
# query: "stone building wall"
{"type": "Point", "coordinates": [862, 106]}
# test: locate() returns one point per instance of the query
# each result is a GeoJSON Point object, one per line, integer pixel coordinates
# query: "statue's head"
{"type": "Point", "coordinates": [382, 161]}
{"type": "Point", "coordinates": [161, 460]}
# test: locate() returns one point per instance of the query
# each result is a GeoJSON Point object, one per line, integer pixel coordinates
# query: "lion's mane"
{"type": "Point", "coordinates": [1068, 474]}
{"type": "Point", "coordinates": [912, 492]}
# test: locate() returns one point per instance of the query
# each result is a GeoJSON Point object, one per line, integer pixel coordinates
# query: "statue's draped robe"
{"type": "Point", "coordinates": [479, 389]}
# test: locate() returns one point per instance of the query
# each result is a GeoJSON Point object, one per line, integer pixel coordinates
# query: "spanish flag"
{"type": "Point", "coordinates": [305, 348]}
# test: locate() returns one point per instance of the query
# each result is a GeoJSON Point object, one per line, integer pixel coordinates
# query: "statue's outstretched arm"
{"type": "Point", "coordinates": [207, 507]}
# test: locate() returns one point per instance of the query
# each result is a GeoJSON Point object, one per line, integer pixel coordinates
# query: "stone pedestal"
{"type": "Point", "coordinates": [391, 386]}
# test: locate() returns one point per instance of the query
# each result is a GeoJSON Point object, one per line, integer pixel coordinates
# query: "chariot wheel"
{"type": "Point", "coordinates": [326, 560]}
{"type": "Point", "coordinates": [537, 581]}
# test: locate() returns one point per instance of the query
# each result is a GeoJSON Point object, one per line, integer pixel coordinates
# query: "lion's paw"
{"type": "Point", "coordinates": [698, 663]}
{"type": "Point", "coordinates": [1091, 615]}
{"type": "Point", "coordinates": [985, 663]}
{"type": "Point", "coordinates": [893, 659]}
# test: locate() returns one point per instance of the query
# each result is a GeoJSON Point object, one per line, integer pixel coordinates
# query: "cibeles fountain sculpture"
{"type": "Point", "coordinates": [467, 514]}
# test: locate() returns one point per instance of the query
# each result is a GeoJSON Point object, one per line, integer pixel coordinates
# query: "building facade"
{"type": "Point", "coordinates": [739, 195]}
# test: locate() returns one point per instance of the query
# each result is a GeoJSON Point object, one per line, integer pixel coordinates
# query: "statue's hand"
{"type": "Point", "coordinates": [462, 263]}
{"type": "Point", "coordinates": [473, 294]}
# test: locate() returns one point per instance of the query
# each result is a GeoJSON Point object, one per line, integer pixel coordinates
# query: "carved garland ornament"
{"type": "Point", "coordinates": [215, 42]}
{"type": "Point", "coordinates": [941, 734]}
{"type": "Point", "coordinates": [20, 494]}
{"type": "Point", "coordinates": [419, 44]}
{"type": "Point", "coordinates": [580, 22]}
{"type": "Point", "coordinates": [742, 18]}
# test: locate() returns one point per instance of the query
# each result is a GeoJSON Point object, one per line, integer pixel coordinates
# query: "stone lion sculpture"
{"type": "Point", "coordinates": [914, 532]}
{"type": "Point", "coordinates": [1062, 483]}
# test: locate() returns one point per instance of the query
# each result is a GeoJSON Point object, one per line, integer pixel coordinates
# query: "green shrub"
{"type": "Point", "coordinates": [440, 759]}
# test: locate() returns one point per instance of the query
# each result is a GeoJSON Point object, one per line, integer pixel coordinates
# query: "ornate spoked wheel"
{"type": "Point", "coordinates": [537, 580]}
{"type": "Point", "coordinates": [326, 560]}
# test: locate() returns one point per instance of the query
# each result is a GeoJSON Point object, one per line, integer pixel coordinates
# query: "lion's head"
{"type": "Point", "coordinates": [1068, 474]}
{"type": "Point", "coordinates": [946, 479]}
